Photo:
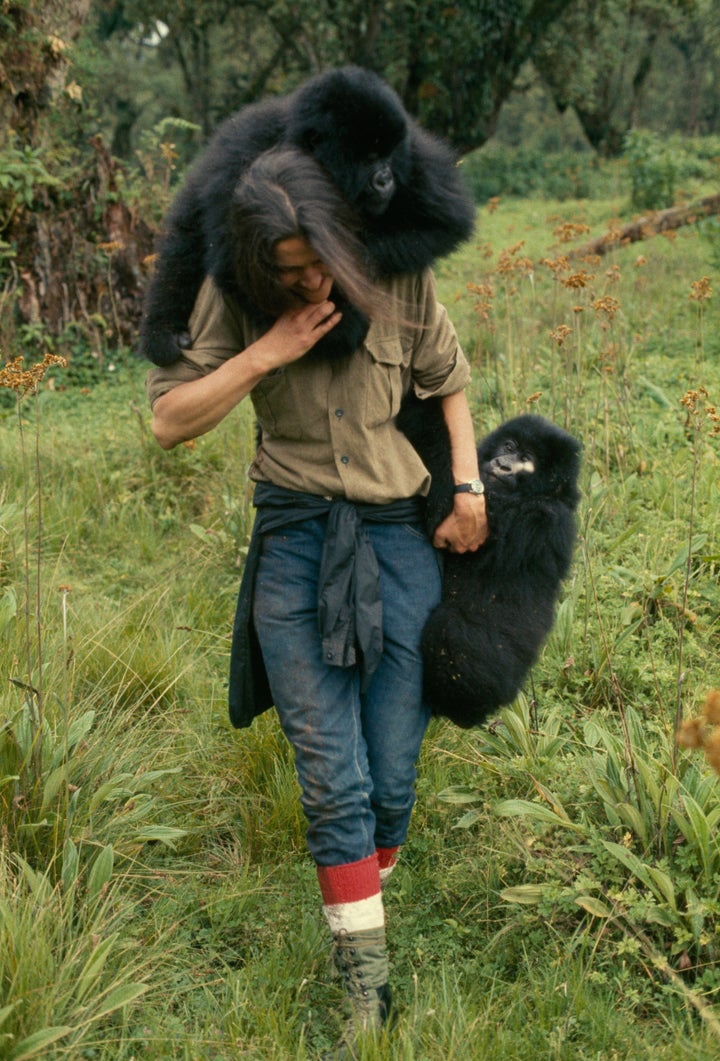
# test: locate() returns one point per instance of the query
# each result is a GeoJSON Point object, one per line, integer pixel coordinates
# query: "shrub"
{"type": "Point", "coordinates": [526, 172]}
{"type": "Point", "coordinates": [652, 169]}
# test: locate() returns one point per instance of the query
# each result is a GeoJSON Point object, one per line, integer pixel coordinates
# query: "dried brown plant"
{"type": "Point", "coordinates": [570, 230]}
{"type": "Point", "coordinates": [703, 731]}
{"type": "Point", "coordinates": [23, 381]}
{"type": "Point", "coordinates": [577, 280]}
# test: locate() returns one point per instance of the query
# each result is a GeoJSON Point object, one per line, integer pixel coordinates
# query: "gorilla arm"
{"type": "Point", "coordinates": [194, 408]}
{"type": "Point", "coordinates": [466, 528]}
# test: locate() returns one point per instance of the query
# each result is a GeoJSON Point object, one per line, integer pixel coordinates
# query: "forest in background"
{"type": "Point", "coordinates": [103, 103]}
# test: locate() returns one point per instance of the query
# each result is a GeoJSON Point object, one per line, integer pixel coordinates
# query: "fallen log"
{"type": "Point", "coordinates": [651, 225]}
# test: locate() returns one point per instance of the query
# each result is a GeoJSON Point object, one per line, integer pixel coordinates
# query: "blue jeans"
{"type": "Point", "coordinates": [355, 752]}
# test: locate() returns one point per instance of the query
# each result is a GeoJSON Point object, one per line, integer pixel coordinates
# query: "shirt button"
{"type": "Point", "coordinates": [339, 413]}
{"type": "Point", "coordinates": [344, 460]}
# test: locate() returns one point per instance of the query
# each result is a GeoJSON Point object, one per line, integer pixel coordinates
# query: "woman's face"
{"type": "Point", "coordinates": [300, 269]}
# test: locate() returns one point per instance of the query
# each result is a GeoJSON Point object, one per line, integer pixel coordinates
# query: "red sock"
{"type": "Point", "coordinates": [387, 856]}
{"type": "Point", "coordinates": [351, 895]}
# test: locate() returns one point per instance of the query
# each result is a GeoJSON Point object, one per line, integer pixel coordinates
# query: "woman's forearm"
{"type": "Point", "coordinates": [462, 437]}
{"type": "Point", "coordinates": [194, 408]}
{"type": "Point", "coordinates": [465, 529]}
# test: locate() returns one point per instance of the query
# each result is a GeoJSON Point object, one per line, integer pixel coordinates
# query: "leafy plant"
{"type": "Point", "coordinates": [22, 173]}
{"type": "Point", "coordinates": [643, 855]}
{"type": "Point", "coordinates": [496, 171]}
{"type": "Point", "coordinates": [652, 168]}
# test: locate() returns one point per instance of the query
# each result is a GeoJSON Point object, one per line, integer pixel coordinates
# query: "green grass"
{"type": "Point", "coordinates": [558, 895]}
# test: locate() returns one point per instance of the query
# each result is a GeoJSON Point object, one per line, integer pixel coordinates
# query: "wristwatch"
{"type": "Point", "coordinates": [475, 486]}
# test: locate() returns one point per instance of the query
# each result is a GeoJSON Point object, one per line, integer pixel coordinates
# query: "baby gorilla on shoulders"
{"type": "Point", "coordinates": [498, 603]}
{"type": "Point", "coordinates": [404, 184]}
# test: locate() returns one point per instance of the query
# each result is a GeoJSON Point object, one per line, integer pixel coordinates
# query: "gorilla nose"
{"type": "Point", "coordinates": [383, 181]}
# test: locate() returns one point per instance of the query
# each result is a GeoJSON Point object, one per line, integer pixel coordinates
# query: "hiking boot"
{"type": "Point", "coordinates": [361, 959]}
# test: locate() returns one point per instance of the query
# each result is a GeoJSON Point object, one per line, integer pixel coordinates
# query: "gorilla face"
{"type": "Point", "coordinates": [510, 461]}
{"type": "Point", "coordinates": [530, 453]}
{"type": "Point", "coordinates": [356, 127]}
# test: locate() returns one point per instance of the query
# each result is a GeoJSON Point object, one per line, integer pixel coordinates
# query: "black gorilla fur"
{"type": "Point", "coordinates": [498, 603]}
{"type": "Point", "coordinates": [355, 125]}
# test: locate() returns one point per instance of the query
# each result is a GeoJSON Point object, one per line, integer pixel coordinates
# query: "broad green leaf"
{"type": "Point", "coordinates": [516, 725]}
{"type": "Point", "coordinates": [469, 818]}
{"type": "Point", "coordinates": [656, 393]}
{"type": "Point", "coordinates": [699, 540]}
{"type": "Point", "coordinates": [593, 905]}
{"type": "Point", "coordinates": [101, 872]}
{"type": "Point", "coordinates": [630, 861]}
{"type": "Point", "coordinates": [6, 1011]}
{"type": "Point", "coordinates": [121, 996]}
{"type": "Point", "coordinates": [143, 781]}
{"type": "Point", "coordinates": [695, 827]}
{"type": "Point", "coordinates": [525, 808]}
{"type": "Point", "coordinates": [115, 788]}
{"type": "Point", "coordinates": [661, 915]}
{"type": "Point", "coordinates": [79, 728]}
{"type": "Point", "coordinates": [94, 966]}
{"type": "Point", "coordinates": [163, 834]}
{"type": "Point", "coordinates": [553, 801]}
{"type": "Point", "coordinates": [525, 894]}
{"type": "Point", "coordinates": [632, 817]}
{"type": "Point", "coordinates": [459, 794]}
{"type": "Point", "coordinates": [36, 1044]}
{"type": "Point", "coordinates": [37, 882]}
{"type": "Point", "coordinates": [664, 884]}
{"type": "Point", "coordinates": [52, 786]}
{"type": "Point", "coordinates": [70, 865]}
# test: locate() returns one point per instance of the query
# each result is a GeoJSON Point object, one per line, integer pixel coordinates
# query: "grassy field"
{"type": "Point", "coordinates": [559, 897]}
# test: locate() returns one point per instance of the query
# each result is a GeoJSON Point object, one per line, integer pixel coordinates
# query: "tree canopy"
{"type": "Point", "coordinates": [452, 63]}
{"type": "Point", "coordinates": [611, 62]}
{"type": "Point", "coordinates": [136, 62]}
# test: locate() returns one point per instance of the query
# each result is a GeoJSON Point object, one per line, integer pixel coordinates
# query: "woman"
{"type": "Point", "coordinates": [343, 575]}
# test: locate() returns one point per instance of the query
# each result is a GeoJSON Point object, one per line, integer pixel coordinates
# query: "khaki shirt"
{"type": "Point", "coordinates": [328, 426]}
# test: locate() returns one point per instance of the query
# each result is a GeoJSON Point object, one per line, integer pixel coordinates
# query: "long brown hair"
{"type": "Point", "coordinates": [286, 194]}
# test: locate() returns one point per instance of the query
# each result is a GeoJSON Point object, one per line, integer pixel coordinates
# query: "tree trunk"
{"type": "Point", "coordinates": [79, 250]}
{"type": "Point", "coordinates": [34, 62]}
{"type": "Point", "coordinates": [651, 225]}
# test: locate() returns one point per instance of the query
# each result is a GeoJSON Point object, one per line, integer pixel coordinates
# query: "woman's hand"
{"type": "Point", "coordinates": [296, 332]}
{"type": "Point", "coordinates": [466, 528]}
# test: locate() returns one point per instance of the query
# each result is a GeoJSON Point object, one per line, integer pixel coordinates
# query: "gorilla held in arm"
{"type": "Point", "coordinates": [498, 604]}
{"type": "Point", "coordinates": [403, 183]}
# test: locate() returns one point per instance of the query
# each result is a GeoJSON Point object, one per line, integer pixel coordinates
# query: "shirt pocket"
{"type": "Point", "coordinates": [384, 380]}
{"type": "Point", "coordinates": [289, 403]}
{"type": "Point", "coordinates": [274, 408]}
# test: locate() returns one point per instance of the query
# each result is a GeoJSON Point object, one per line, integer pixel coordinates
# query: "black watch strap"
{"type": "Point", "coordinates": [475, 486]}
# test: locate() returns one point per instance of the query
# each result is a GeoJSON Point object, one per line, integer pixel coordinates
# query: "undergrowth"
{"type": "Point", "coordinates": [558, 897]}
